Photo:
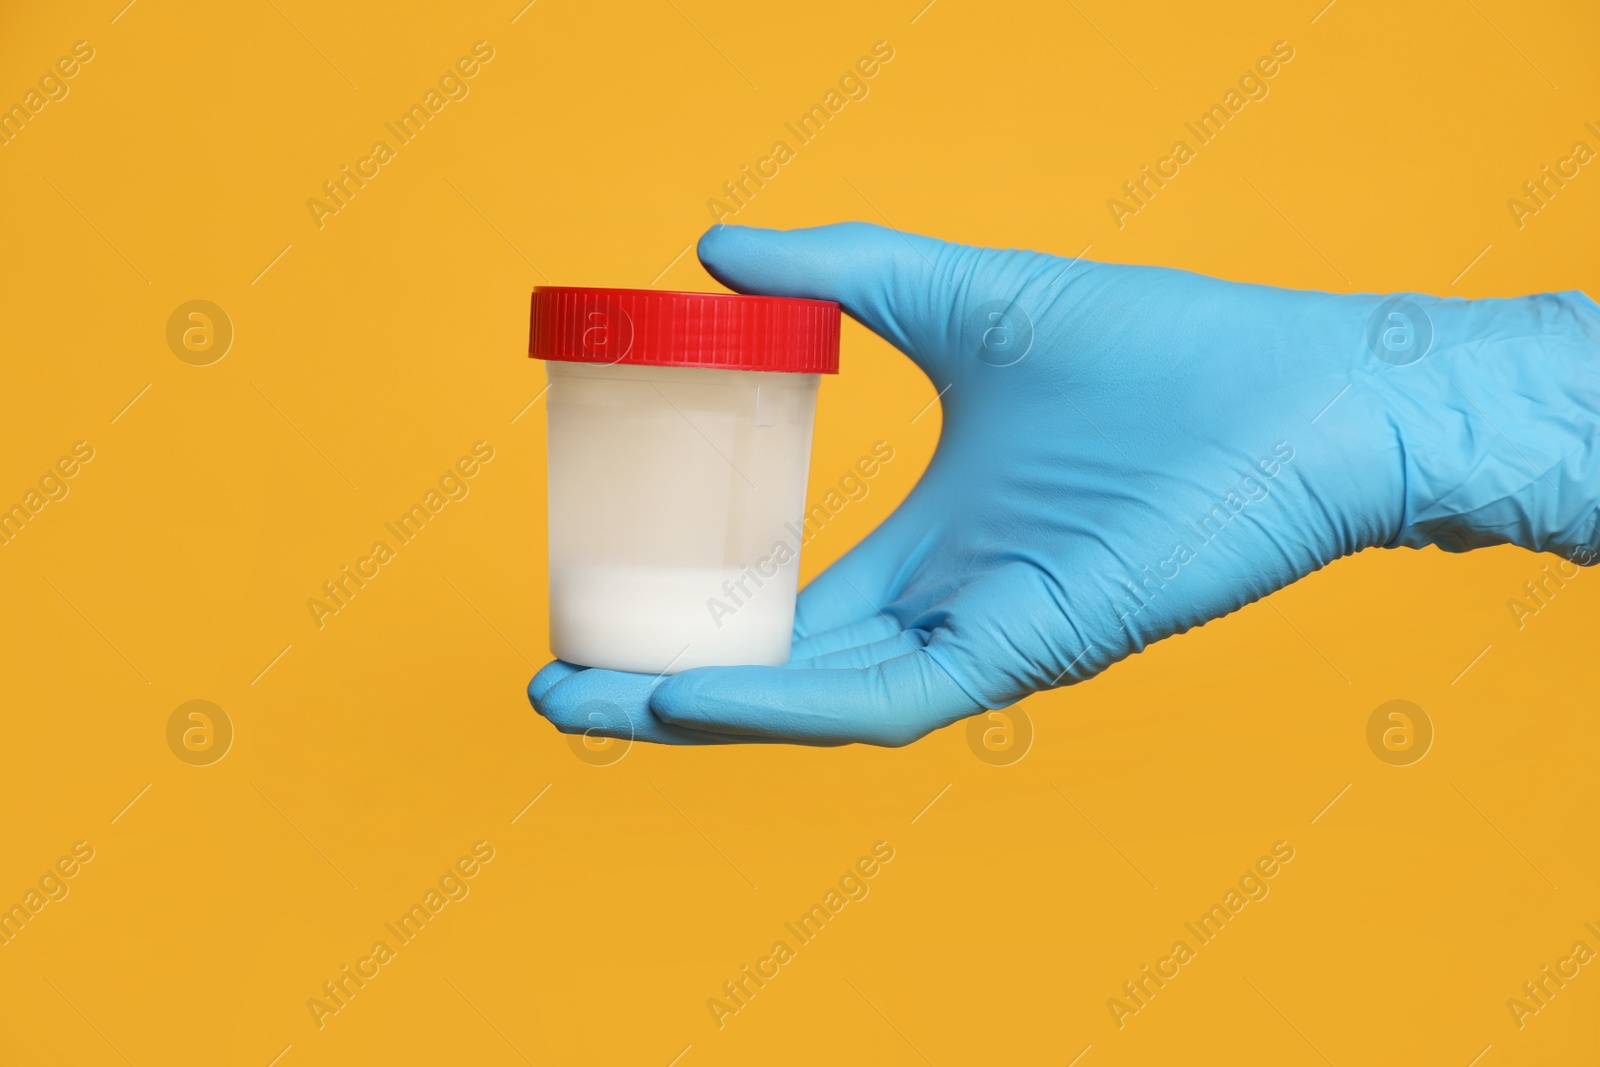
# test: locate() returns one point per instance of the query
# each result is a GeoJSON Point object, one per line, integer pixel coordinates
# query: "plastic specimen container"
{"type": "Point", "coordinates": [679, 444]}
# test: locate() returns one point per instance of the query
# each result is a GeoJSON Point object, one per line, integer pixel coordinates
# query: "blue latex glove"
{"type": "Point", "coordinates": [1127, 452]}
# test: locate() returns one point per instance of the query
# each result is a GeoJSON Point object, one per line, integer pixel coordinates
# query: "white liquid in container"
{"type": "Point", "coordinates": [668, 619]}
{"type": "Point", "coordinates": [677, 496]}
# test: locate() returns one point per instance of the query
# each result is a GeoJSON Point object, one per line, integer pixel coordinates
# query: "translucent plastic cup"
{"type": "Point", "coordinates": [680, 441]}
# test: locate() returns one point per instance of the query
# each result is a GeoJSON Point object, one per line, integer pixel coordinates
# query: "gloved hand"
{"type": "Point", "coordinates": [1127, 452]}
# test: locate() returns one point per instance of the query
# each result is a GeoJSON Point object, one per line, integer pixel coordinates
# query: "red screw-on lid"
{"type": "Point", "coordinates": [667, 329]}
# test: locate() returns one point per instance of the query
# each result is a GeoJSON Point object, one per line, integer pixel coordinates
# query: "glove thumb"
{"type": "Point", "coordinates": [904, 287]}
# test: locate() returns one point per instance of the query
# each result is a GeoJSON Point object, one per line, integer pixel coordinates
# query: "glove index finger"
{"type": "Point", "coordinates": [890, 703]}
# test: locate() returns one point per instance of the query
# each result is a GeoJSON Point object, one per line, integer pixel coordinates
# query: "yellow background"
{"type": "Point", "coordinates": [376, 751]}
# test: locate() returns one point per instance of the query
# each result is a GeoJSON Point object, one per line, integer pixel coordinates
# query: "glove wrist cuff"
{"type": "Point", "coordinates": [1496, 408]}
